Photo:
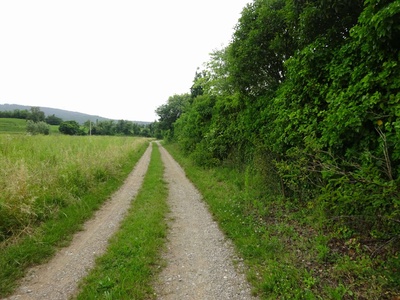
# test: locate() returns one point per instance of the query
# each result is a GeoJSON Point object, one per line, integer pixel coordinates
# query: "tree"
{"type": "Point", "coordinates": [330, 19]}
{"type": "Point", "coordinates": [16, 113]}
{"type": "Point", "coordinates": [214, 79]}
{"type": "Point", "coordinates": [104, 128]}
{"type": "Point", "coordinates": [192, 125]}
{"type": "Point", "coordinates": [123, 127]}
{"type": "Point", "coordinates": [36, 115]}
{"type": "Point", "coordinates": [136, 129]}
{"type": "Point", "coordinates": [145, 131]}
{"type": "Point", "coordinates": [261, 43]}
{"type": "Point", "coordinates": [197, 89]}
{"type": "Point", "coordinates": [53, 120]}
{"type": "Point", "coordinates": [171, 111]}
{"type": "Point", "coordinates": [70, 128]}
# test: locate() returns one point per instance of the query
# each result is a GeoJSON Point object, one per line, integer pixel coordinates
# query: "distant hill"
{"type": "Point", "coordinates": [66, 115]}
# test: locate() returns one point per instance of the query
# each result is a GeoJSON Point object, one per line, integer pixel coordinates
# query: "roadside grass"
{"type": "Point", "coordinates": [133, 256]}
{"type": "Point", "coordinates": [50, 186]}
{"type": "Point", "coordinates": [292, 250]}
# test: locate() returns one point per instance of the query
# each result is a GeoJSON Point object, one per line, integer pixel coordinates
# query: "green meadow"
{"type": "Point", "coordinates": [18, 126]}
{"type": "Point", "coordinates": [12, 126]}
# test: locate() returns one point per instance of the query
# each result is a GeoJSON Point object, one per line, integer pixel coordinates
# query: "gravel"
{"type": "Point", "coordinates": [200, 262]}
{"type": "Point", "coordinates": [199, 258]}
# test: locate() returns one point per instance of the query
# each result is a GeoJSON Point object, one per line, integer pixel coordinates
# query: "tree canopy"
{"type": "Point", "coordinates": [70, 128]}
{"type": "Point", "coordinates": [313, 86]}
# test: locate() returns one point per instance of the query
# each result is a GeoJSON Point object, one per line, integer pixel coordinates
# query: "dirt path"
{"type": "Point", "coordinates": [199, 258]}
{"type": "Point", "coordinates": [58, 279]}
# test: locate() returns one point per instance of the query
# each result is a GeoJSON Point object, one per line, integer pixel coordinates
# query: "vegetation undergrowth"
{"type": "Point", "coordinates": [50, 185]}
{"type": "Point", "coordinates": [293, 251]}
{"type": "Point", "coordinates": [127, 269]}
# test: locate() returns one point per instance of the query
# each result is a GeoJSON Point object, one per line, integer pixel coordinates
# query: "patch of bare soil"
{"type": "Point", "coordinates": [58, 279]}
{"type": "Point", "coordinates": [199, 258]}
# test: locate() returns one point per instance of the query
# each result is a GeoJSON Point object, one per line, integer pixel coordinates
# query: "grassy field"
{"type": "Point", "coordinates": [12, 126]}
{"type": "Point", "coordinates": [127, 270]}
{"type": "Point", "coordinates": [293, 251]}
{"type": "Point", "coordinates": [18, 126]}
{"type": "Point", "coordinates": [49, 186]}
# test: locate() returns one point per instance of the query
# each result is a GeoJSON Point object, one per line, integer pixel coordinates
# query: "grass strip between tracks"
{"type": "Point", "coordinates": [127, 269]}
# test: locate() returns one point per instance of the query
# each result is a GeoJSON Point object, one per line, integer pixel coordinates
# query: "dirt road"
{"type": "Point", "coordinates": [199, 258]}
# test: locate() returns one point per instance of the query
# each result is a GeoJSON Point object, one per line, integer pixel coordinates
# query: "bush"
{"type": "Point", "coordinates": [70, 128]}
{"type": "Point", "coordinates": [37, 127]}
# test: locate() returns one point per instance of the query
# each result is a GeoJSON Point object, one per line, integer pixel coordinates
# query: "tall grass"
{"type": "Point", "coordinates": [49, 186]}
{"type": "Point", "coordinates": [41, 174]}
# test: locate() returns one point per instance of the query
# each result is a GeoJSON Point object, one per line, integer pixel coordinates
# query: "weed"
{"type": "Point", "coordinates": [338, 293]}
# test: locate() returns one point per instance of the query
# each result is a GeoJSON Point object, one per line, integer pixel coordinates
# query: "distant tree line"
{"type": "Point", "coordinates": [38, 123]}
{"type": "Point", "coordinates": [16, 114]}
{"type": "Point", "coordinates": [111, 127]}
{"type": "Point", "coordinates": [34, 114]}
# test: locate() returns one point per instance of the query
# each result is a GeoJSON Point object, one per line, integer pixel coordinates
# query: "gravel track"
{"type": "Point", "coordinates": [58, 279]}
{"type": "Point", "coordinates": [199, 258]}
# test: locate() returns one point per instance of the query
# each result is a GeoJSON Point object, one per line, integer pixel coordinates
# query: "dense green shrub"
{"type": "Point", "coordinates": [314, 87]}
{"type": "Point", "coordinates": [70, 128]}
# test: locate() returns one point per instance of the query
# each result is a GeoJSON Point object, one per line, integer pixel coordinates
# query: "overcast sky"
{"type": "Point", "coordinates": [118, 59]}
